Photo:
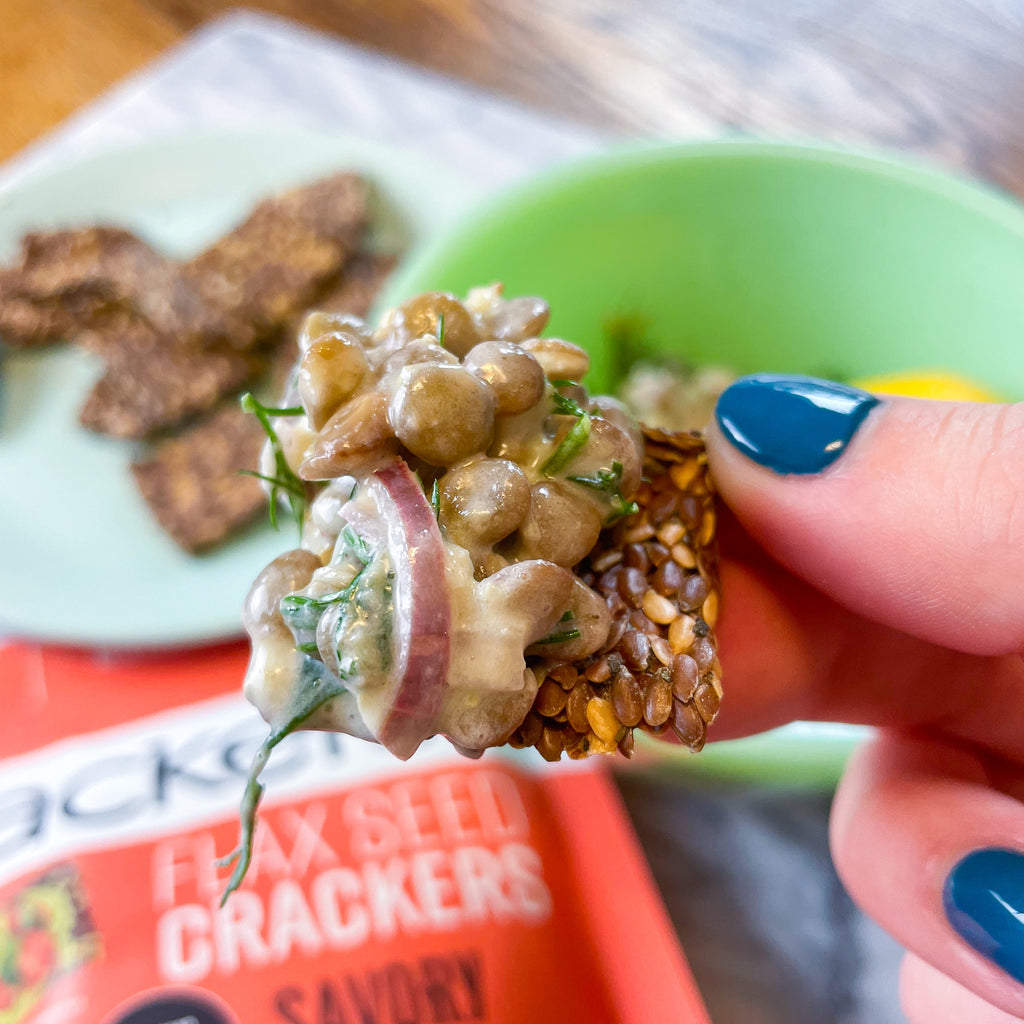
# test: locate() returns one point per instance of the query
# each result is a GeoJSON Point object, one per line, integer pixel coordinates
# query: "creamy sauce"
{"type": "Point", "coordinates": [488, 637]}
{"type": "Point", "coordinates": [347, 630]}
{"type": "Point", "coordinates": [395, 621]}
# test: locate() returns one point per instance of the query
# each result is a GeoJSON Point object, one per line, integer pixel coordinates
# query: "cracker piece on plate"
{"type": "Point", "coordinates": [353, 293]}
{"type": "Point", "coordinates": [30, 323]}
{"type": "Point", "coordinates": [68, 281]}
{"type": "Point", "coordinates": [153, 383]}
{"type": "Point", "coordinates": [280, 256]}
{"type": "Point", "coordinates": [193, 484]}
{"type": "Point", "coordinates": [235, 293]}
{"type": "Point", "coordinates": [356, 289]}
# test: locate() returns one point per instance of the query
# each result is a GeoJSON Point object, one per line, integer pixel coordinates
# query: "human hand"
{"type": "Point", "coordinates": [901, 526]}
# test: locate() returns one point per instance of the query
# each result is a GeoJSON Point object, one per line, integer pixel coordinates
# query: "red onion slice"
{"type": "Point", "coordinates": [422, 611]}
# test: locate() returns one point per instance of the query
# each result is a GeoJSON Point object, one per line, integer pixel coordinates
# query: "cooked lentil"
{"type": "Point", "coordinates": [571, 522]}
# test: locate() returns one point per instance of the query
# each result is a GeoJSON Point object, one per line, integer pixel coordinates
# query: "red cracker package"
{"type": "Point", "coordinates": [380, 892]}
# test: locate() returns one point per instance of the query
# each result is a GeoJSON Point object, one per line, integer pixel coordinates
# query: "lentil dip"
{"type": "Point", "coordinates": [474, 561]}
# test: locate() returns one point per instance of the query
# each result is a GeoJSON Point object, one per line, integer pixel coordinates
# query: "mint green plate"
{"type": "Point", "coordinates": [81, 559]}
{"type": "Point", "coordinates": [758, 256]}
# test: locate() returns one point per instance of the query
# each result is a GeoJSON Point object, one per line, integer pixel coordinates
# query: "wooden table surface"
{"type": "Point", "coordinates": [939, 78]}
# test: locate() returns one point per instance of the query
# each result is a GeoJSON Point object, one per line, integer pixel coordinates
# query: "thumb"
{"type": "Point", "coordinates": [907, 511]}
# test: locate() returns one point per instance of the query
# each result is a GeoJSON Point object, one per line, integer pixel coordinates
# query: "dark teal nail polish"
{"type": "Point", "coordinates": [984, 901]}
{"type": "Point", "coordinates": [791, 424]}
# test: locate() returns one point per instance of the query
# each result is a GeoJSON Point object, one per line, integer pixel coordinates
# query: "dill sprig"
{"type": "Point", "coordinates": [609, 481]}
{"type": "Point", "coordinates": [316, 687]}
{"type": "Point", "coordinates": [284, 481]}
{"type": "Point", "coordinates": [566, 404]}
{"type": "Point", "coordinates": [356, 543]}
{"type": "Point", "coordinates": [435, 501]}
{"type": "Point", "coordinates": [570, 445]}
{"type": "Point", "coordinates": [301, 612]}
{"type": "Point", "coordinates": [561, 637]}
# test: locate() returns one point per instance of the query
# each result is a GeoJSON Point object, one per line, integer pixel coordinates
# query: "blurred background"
{"type": "Point", "coordinates": [743, 867]}
{"type": "Point", "coordinates": [940, 78]}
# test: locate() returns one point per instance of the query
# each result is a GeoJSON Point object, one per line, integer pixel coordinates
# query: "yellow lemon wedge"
{"type": "Point", "coordinates": [941, 384]}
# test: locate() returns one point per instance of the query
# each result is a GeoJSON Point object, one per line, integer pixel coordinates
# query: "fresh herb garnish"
{"type": "Point", "coordinates": [356, 543]}
{"type": "Point", "coordinates": [302, 613]}
{"type": "Point", "coordinates": [316, 687]}
{"type": "Point", "coordinates": [284, 480]}
{"type": "Point", "coordinates": [557, 638]}
{"type": "Point", "coordinates": [346, 666]}
{"type": "Point", "coordinates": [565, 404]}
{"type": "Point", "coordinates": [570, 445]}
{"type": "Point", "coordinates": [258, 408]}
{"type": "Point", "coordinates": [440, 329]}
{"type": "Point", "coordinates": [368, 600]}
{"type": "Point", "coordinates": [626, 508]}
{"type": "Point", "coordinates": [435, 501]}
{"type": "Point", "coordinates": [609, 481]}
{"type": "Point", "coordinates": [384, 622]}
{"type": "Point", "coordinates": [277, 483]}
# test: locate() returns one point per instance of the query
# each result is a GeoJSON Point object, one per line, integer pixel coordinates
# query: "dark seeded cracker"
{"type": "Point", "coordinates": [152, 384]}
{"type": "Point", "coordinates": [204, 457]}
{"type": "Point", "coordinates": [627, 685]}
{"type": "Point", "coordinates": [280, 256]}
{"type": "Point", "coordinates": [192, 482]}
{"type": "Point", "coordinates": [257, 276]}
{"type": "Point", "coordinates": [353, 293]}
{"type": "Point", "coordinates": [84, 278]}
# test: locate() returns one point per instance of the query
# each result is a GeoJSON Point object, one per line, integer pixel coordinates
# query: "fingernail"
{"type": "Point", "coordinates": [791, 424]}
{"type": "Point", "coordinates": [984, 901]}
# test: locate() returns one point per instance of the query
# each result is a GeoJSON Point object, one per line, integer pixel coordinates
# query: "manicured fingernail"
{"type": "Point", "coordinates": [791, 424]}
{"type": "Point", "coordinates": [984, 901]}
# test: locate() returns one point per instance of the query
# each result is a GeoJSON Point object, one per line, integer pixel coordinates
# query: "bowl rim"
{"type": "Point", "coordinates": [807, 753]}
{"type": "Point", "coordinates": [986, 200]}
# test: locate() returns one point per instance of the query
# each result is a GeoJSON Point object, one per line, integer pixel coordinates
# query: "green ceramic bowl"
{"type": "Point", "coordinates": [761, 257]}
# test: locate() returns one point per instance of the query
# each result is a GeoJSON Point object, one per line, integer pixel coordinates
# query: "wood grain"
{"type": "Point", "coordinates": [939, 78]}
{"type": "Point", "coordinates": [56, 55]}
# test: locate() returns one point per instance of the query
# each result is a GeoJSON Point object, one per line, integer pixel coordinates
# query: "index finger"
{"type": "Point", "coordinates": [790, 652]}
